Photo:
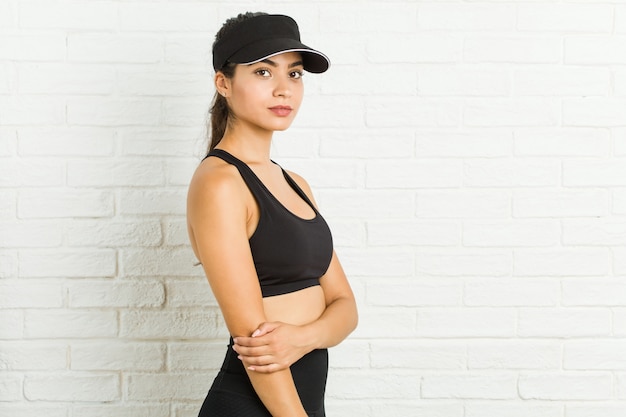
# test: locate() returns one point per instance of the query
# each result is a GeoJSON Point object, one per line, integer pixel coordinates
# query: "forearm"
{"type": "Point", "coordinates": [334, 325]}
{"type": "Point", "coordinates": [278, 393]}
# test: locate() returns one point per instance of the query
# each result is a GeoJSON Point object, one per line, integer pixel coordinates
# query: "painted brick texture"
{"type": "Point", "coordinates": [470, 157]}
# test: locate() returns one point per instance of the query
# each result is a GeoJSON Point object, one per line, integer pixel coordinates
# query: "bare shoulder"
{"type": "Point", "coordinates": [215, 182]}
{"type": "Point", "coordinates": [301, 183]}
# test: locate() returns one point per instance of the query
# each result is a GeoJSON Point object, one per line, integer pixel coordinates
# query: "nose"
{"type": "Point", "coordinates": [282, 87]}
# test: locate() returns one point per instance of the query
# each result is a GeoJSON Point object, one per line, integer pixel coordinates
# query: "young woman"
{"type": "Point", "coordinates": [265, 248]}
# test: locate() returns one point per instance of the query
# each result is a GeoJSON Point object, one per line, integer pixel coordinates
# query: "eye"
{"type": "Point", "coordinates": [263, 72]}
{"type": "Point", "coordinates": [296, 74]}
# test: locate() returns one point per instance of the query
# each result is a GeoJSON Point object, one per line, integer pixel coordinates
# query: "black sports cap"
{"type": "Point", "coordinates": [261, 37]}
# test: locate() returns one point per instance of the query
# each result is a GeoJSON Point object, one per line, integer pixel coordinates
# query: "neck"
{"type": "Point", "coordinates": [248, 143]}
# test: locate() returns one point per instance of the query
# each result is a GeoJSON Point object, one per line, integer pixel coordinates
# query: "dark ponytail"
{"type": "Point", "coordinates": [221, 114]}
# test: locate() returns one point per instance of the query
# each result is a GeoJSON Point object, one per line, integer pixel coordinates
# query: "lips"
{"type": "Point", "coordinates": [281, 111]}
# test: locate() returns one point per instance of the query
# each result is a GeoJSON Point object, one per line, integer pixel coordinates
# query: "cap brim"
{"type": "Point", "coordinates": [312, 60]}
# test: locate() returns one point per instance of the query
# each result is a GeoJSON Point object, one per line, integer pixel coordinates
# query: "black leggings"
{"type": "Point", "coordinates": [232, 394]}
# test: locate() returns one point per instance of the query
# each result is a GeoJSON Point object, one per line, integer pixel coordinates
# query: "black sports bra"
{"type": "Point", "coordinates": [290, 253]}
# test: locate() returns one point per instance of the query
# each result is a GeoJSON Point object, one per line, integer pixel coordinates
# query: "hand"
{"type": "Point", "coordinates": [274, 346]}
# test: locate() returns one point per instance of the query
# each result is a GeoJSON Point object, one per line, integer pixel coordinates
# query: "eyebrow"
{"type": "Point", "coordinates": [274, 64]}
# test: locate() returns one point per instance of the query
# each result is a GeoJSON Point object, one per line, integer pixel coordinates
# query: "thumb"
{"type": "Point", "coordinates": [264, 329]}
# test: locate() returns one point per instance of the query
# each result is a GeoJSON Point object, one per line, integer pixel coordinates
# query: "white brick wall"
{"type": "Point", "coordinates": [469, 155]}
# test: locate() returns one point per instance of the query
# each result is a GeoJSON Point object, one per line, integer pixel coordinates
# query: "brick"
{"type": "Point", "coordinates": [564, 322]}
{"type": "Point", "coordinates": [482, 143]}
{"type": "Point", "coordinates": [11, 324]}
{"type": "Point", "coordinates": [380, 385]}
{"type": "Point", "coordinates": [385, 323]}
{"type": "Point", "coordinates": [31, 410]}
{"type": "Point", "coordinates": [466, 322]}
{"type": "Point", "coordinates": [65, 141]}
{"type": "Point", "coordinates": [8, 204]}
{"type": "Point", "coordinates": [370, 263]}
{"type": "Point", "coordinates": [164, 83]}
{"type": "Point", "coordinates": [620, 386]}
{"type": "Point", "coordinates": [8, 264]}
{"type": "Point", "coordinates": [425, 48]}
{"type": "Point", "coordinates": [463, 203]}
{"type": "Point", "coordinates": [117, 356]}
{"type": "Point", "coordinates": [594, 112]}
{"type": "Point", "coordinates": [565, 17]}
{"type": "Point", "coordinates": [72, 387]}
{"type": "Point", "coordinates": [511, 233]}
{"type": "Point", "coordinates": [31, 172]}
{"type": "Point", "coordinates": [594, 355]}
{"type": "Point", "coordinates": [70, 324]}
{"type": "Point", "coordinates": [497, 387]}
{"type": "Point", "coordinates": [416, 173]}
{"type": "Point", "coordinates": [560, 203]}
{"type": "Point", "coordinates": [10, 387]}
{"type": "Point", "coordinates": [594, 410]}
{"type": "Point", "coordinates": [112, 48]}
{"type": "Point", "coordinates": [338, 145]}
{"type": "Point", "coordinates": [183, 112]}
{"type": "Point", "coordinates": [417, 408]}
{"type": "Point", "coordinates": [8, 78]}
{"type": "Point", "coordinates": [619, 322]}
{"type": "Point", "coordinates": [125, 410]}
{"type": "Point", "coordinates": [31, 110]}
{"type": "Point", "coordinates": [512, 173]}
{"type": "Point", "coordinates": [463, 262]}
{"type": "Point", "coordinates": [620, 18]}
{"type": "Point", "coordinates": [587, 386]}
{"type": "Point", "coordinates": [619, 141]}
{"type": "Point", "coordinates": [134, 172]}
{"type": "Point", "coordinates": [347, 233]}
{"type": "Point", "coordinates": [594, 50]}
{"type": "Point", "coordinates": [512, 409]}
{"type": "Point", "coordinates": [40, 15]}
{"type": "Point", "coordinates": [152, 201]}
{"type": "Point", "coordinates": [459, 17]}
{"type": "Point", "coordinates": [160, 262]}
{"type": "Point", "coordinates": [8, 17]}
{"type": "Point", "coordinates": [65, 263]}
{"type": "Point", "coordinates": [167, 141]}
{"type": "Point", "coordinates": [350, 353]}
{"type": "Point", "coordinates": [186, 410]}
{"type": "Point", "coordinates": [29, 47]}
{"type": "Point", "coordinates": [418, 355]}
{"type": "Point", "coordinates": [196, 356]}
{"type": "Point", "coordinates": [175, 232]}
{"type": "Point", "coordinates": [398, 233]}
{"type": "Point", "coordinates": [562, 81]}
{"type": "Point", "coordinates": [564, 141]}
{"type": "Point", "coordinates": [511, 112]}
{"type": "Point", "coordinates": [503, 293]}
{"type": "Point", "coordinates": [187, 293]}
{"type": "Point", "coordinates": [115, 294]}
{"type": "Point", "coordinates": [413, 293]}
{"type": "Point", "coordinates": [180, 171]}
{"type": "Point", "coordinates": [31, 234]}
{"type": "Point", "coordinates": [619, 84]}
{"type": "Point", "coordinates": [446, 81]}
{"type": "Point", "coordinates": [594, 232]}
{"type": "Point", "coordinates": [619, 201]}
{"type": "Point", "coordinates": [19, 294]}
{"type": "Point", "coordinates": [113, 112]}
{"type": "Point", "coordinates": [324, 174]}
{"type": "Point", "coordinates": [561, 262]}
{"type": "Point", "coordinates": [414, 111]}
{"type": "Point", "coordinates": [342, 112]}
{"type": "Point", "coordinates": [353, 204]}
{"type": "Point", "coordinates": [354, 80]}
{"type": "Point", "coordinates": [513, 354]}
{"type": "Point", "coordinates": [294, 143]}
{"type": "Point", "coordinates": [114, 233]}
{"type": "Point", "coordinates": [150, 17]}
{"type": "Point", "coordinates": [594, 292]}
{"type": "Point", "coordinates": [62, 79]}
{"type": "Point", "coordinates": [619, 261]}
{"type": "Point", "coordinates": [187, 49]}
{"type": "Point", "coordinates": [595, 173]}
{"type": "Point", "coordinates": [337, 17]}
{"type": "Point", "coordinates": [146, 324]}
{"type": "Point", "coordinates": [175, 387]}
{"type": "Point", "coordinates": [28, 356]}
{"type": "Point", "coordinates": [512, 49]}
{"type": "Point", "coordinates": [64, 203]}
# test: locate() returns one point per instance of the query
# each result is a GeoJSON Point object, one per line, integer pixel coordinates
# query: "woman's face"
{"type": "Point", "coordinates": [267, 94]}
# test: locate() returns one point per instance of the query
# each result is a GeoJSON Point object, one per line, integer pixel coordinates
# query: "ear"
{"type": "Point", "coordinates": [222, 84]}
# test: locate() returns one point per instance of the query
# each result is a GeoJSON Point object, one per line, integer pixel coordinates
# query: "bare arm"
{"type": "Point", "coordinates": [217, 215]}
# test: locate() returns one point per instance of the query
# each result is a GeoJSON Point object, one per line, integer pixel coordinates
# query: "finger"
{"type": "Point", "coordinates": [257, 360]}
{"type": "Point", "coordinates": [249, 341]}
{"type": "Point", "coordinates": [267, 369]}
{"type": "Point", "coordinates": [251, 351]}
